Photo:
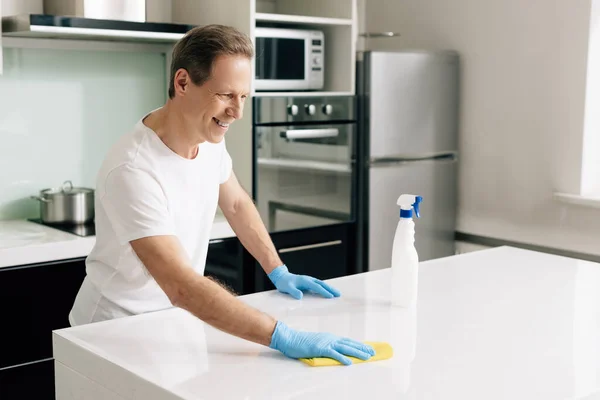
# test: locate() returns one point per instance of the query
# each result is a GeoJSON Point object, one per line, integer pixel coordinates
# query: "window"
{"type": "Point", "coordinates": [589, 185]}
{"type": "Point", "coordinates": [590, 168]}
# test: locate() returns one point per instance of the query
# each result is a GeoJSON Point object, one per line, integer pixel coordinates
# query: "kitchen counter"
{"type": "Point", "coordinates": [23, 242]}
{"type": "Point", "coordinates": [502, 323]}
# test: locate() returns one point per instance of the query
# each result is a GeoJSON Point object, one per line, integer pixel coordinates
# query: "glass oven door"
{"type": "Point", "coordinates": [305, 175]}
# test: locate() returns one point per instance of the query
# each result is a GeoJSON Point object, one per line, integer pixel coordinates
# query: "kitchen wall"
{"type": "Point", "coordinates": [60, 110]}
{"type": "Point", "coordinates": [522, 109]}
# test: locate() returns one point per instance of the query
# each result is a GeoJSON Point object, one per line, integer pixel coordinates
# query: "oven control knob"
{"type": "Point", "coordinates": [293, 109]}
{"type": "Point", "coordinates": [327, 109]}
{"type": "Point", "coordinates": [310, 109]}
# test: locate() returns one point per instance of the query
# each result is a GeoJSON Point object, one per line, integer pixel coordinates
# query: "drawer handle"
{"type": "Point", "coordinates": [215, 241]}
{"type": "Point", "coordinates": [309, 133]}
{"type": "Point", "coordinates": [310, 246]}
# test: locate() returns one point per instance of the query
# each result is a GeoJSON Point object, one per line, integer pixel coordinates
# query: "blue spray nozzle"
{"type": "Point", "coordinates": [418, 200]}
{"type": "Point", "coordinates": [407, 202]}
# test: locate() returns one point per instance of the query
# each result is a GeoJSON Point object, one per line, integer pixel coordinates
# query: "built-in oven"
{"type": "Point", "coordinates": [304, 171]}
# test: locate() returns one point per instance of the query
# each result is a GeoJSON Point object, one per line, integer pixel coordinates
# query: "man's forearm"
{"type": "Point", "coordinates": [250, 229]}
{"type": "Point", "coordinates": [214, 305]}
{"type": "Point", "coordinates": [164, 258]}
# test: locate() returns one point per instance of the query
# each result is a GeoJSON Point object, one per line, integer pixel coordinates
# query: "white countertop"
{"type": "Point", "coordinates": [23, 242]}
{"type": "Point", "coordinates": [502, 323]}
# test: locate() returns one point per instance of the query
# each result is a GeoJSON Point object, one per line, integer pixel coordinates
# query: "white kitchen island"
{"type": "Point", "coordinates": [502, 323]}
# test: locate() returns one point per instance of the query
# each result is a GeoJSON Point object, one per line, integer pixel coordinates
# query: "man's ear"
{"type": "Point", "coordinates": [181, 81]}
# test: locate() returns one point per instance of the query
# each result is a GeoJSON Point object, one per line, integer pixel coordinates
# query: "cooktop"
{"type": "Point", "coordinates": [84, 230]}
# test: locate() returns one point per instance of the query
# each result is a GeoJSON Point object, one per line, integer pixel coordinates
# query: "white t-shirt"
{"type": "Point", "coordinates": [145, 189]}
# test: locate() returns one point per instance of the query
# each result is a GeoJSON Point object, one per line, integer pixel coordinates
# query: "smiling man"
{"type": "Point", "coordinates": [156, 197]}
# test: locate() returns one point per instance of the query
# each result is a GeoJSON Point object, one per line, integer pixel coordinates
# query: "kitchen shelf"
{"type": "Point", "coordinates": [300, 94]}
{"type": "Point", "coordinates": [301, 19]}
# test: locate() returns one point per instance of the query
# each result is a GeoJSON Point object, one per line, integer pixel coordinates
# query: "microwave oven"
{"type": "Point", "coordinates": [289, 59]}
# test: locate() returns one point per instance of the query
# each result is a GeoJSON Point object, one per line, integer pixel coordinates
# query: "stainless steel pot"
{"type": "Point", "coordinates": [66, 205]}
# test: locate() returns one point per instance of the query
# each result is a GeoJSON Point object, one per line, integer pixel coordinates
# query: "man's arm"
{"type": "Point", "coordinates": [164, 258]}
{"type": "Point", "coordinates": [244, 219]}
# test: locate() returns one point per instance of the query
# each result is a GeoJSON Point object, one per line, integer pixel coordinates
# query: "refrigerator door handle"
{"type": "Point", "coordinates": [382, 161]}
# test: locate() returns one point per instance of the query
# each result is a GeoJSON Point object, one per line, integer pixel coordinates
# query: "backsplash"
{"type": "Point", "coordinates": [60, 111]}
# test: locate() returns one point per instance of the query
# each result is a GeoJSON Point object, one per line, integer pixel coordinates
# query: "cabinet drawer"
{"type": "Point", "coordinates": [320, 259]}
{"type": "Point", "coordinates": [322, 252]}
{"type": "Point", "coordinates": [30, 381]}
{"type": "Point", "coordinates": [34, 300]}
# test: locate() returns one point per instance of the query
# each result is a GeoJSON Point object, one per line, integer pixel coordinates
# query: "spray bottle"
{"type": "Point", "coordinates": [405, 260]}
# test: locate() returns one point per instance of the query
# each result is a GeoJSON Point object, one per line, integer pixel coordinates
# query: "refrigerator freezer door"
{"type": "Point", "coordinates": [434, 231]}
{"type": "Point", "coordinates": [411, 103]}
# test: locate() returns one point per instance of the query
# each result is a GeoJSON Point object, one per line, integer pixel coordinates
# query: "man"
{"type": "Point", "coordinates": [156, 197]}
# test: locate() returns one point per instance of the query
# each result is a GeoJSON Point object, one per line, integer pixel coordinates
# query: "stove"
{"type": "Point", "coordinates": [83, 230]}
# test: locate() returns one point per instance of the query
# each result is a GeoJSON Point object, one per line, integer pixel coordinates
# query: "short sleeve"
{"type": "Point", "coordinates": [135, 204]}
{"type": "Point", "coordinates": [226, 165]}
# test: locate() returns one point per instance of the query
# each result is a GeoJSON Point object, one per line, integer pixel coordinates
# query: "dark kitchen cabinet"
{"type": "Point", "coordinates": [323, 252]}
{"type": "Point", "coordinates": [227, 262]}
{"type": "Point", "coordinates": [30, 381]}
{"type": "Point", "coordinates": [34, 300]}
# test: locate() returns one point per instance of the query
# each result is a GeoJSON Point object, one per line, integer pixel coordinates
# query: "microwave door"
{"type": "Point", "coordinates": [283, 59]}
{"type": "Point", "coordinates": [281, 63]}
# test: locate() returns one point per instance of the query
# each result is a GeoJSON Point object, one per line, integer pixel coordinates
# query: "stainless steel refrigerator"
{"type": "Point", "coordinates": [407, 143]}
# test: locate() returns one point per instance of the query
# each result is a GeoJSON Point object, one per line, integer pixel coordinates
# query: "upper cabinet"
{"type": "Point", "coordinates": [334, 9]}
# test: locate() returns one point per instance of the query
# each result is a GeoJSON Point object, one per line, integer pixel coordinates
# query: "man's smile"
{"type": "Point", "coordinates": [221, 123]}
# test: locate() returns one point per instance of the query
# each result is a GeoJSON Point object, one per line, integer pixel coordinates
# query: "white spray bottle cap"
{"type": "Point", "coordinates": [407, 202]}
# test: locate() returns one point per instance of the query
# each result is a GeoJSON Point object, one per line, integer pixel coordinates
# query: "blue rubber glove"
{"type": "Point", "coordinates": [298, 344]}
{"type": "Point", "coordinates": [293, 284]}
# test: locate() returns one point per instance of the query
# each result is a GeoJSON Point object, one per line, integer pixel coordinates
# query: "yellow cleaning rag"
{"type": "Point", "coordinates": [383, 351]}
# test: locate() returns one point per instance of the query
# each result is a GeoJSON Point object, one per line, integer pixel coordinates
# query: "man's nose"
{"type": "Point", "coordinates": [236, 110]}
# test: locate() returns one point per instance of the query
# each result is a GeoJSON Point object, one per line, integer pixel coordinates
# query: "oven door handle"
{"type": "Point", "coordinates": [309, 133]}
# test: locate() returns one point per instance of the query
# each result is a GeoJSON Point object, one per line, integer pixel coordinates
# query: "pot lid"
{"type": "Point", "coordinates": [67, 188]}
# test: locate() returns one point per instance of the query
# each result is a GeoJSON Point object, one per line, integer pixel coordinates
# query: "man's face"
{"type": "Point", "coordinates": [217, 103]}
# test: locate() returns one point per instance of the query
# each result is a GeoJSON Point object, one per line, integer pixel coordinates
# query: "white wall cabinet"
{"type": "Point", "coordinates": [338, 20]}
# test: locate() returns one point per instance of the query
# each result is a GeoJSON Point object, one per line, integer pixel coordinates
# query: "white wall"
{"type": "Point", "coordinates": [522, 109]}
{"type": "Point", "coordinates": [61, 110]}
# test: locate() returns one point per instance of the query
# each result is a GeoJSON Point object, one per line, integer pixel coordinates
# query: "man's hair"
{"type": "Point", "coordinates": [198, 49]}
